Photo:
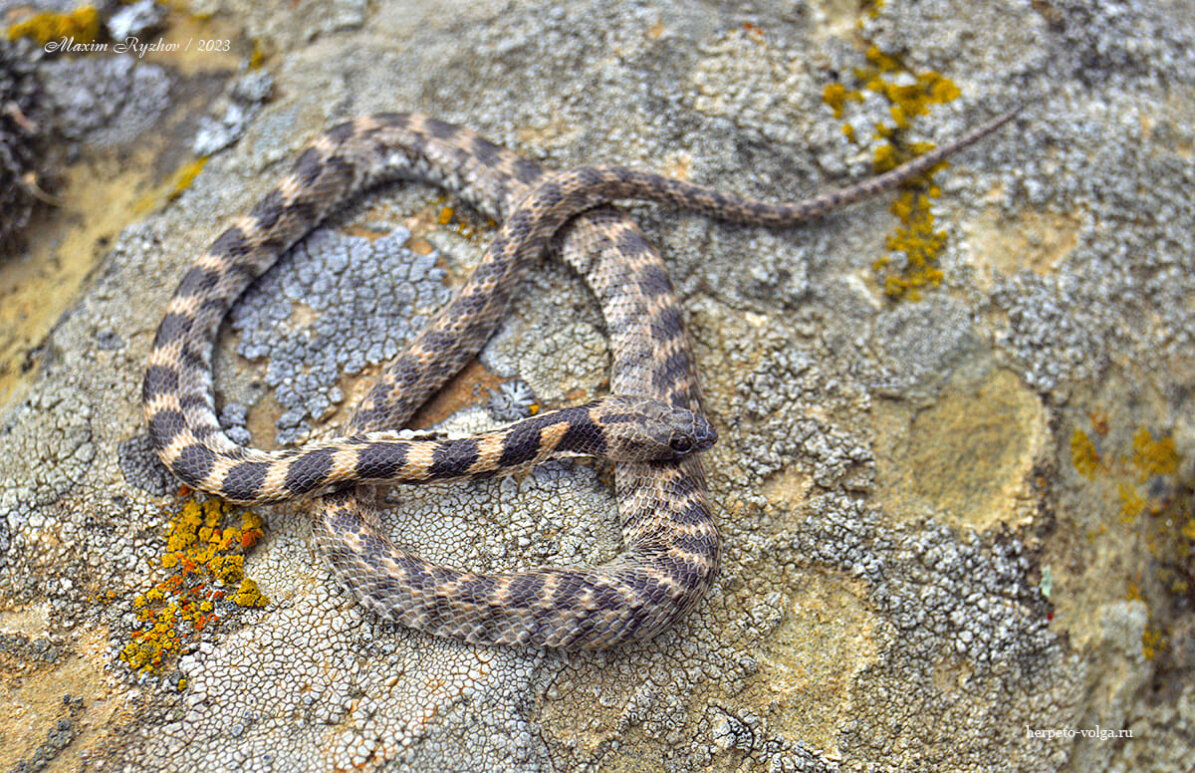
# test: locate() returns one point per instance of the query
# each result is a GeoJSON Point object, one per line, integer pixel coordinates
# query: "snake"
{"type": "Point", "coordinates": [651, 426]}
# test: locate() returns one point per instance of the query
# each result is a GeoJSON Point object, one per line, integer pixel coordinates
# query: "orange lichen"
{"type": "Point", "coordinates": [754, 32]}
{"type": "Point", "coordinates": [206, 559]}
{"type": "Point", "coordinates": [461, 221]}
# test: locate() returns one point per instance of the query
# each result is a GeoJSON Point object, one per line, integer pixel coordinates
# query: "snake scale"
{"type": "Point", "coordinates": [650, 425]}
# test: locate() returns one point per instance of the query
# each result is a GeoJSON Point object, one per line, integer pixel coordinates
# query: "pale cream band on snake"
{"type": "Point", "coordinates": [651, 425]}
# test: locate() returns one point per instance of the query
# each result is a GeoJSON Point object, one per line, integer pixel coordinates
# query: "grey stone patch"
{"type": "Point", "coordinates": [105, 100]}
{"type": "Point", "coordinates": [142, 469]}
{"type": "Point", "coordinates": [945, 591]}
{"type": "Point", "coordinates": [1102, 148]}
{"type": "Point", "coordinates": [232, 113]}
{"type": "Point", "coordinates": [919, 343]}
{"type": "Point", "coordinates": [135, 20]}
{"type": "Point", "coordinates": [108, 340]}
{"type": "Point", "coordinates": [369, 298]}
{"type": "Point", "coordinates": [1050, 333]}
{"type": "Point", "coordinates": [52, 426]}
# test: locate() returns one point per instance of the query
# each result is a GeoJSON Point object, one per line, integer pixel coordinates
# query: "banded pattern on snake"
{"type": "Point", "coordinates": [651, 425]}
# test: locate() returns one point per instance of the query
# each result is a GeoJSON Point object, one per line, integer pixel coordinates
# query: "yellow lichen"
{"type": "Point", "coordinates": [1153, 641]}
{"type": "Point", "coordinates": [836, 96]}
{"type": "Point", "coordinates": [186, 175]}
{"type": "Point", "coordinates": [1154, 457]}
{"type": "Point", "coordinates": [248, 595]}
{"type": "Point", "coordinates": [179, 182]}
{"type": "Point", "coordinates": [258, 56]}
{"type": "Point", "coordinates": [873, 8]}
{"type": "Point", "coordinates": [1084, 455]}
{"type": "Point", "coordinates": [81, 26]}
{"type": "Point", "coordinates": [1132, 503]}
{"type": "Point", "coordinates": [909, 95]}
{"type": "Point", "coordinates": [1169, 531]}
{"type": "Point", "coordinates": [207, 562]}
{"type": "Point", "coordinates": [1187, 530]}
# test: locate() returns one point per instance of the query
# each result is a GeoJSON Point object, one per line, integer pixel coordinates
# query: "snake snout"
{"type": "Point", "coordinates": [704, 434]}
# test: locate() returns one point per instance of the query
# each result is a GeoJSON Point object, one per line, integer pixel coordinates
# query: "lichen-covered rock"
{"type": "Point", "coordinates": [955, 478]}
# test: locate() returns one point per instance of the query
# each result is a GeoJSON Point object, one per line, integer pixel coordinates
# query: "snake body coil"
{"type": "Point", "coordinates": [671, 545]}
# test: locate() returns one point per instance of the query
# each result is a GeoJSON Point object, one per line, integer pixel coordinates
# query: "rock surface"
{"type": "Point", "coordinates": [959, 528]}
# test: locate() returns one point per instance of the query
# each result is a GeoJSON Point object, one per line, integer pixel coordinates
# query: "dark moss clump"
{"type": "Point", "coordinates": [21, 139]}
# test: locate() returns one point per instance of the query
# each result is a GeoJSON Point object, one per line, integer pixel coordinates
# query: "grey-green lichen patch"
{"type": "Point", "coordinates": [233, 112]}
{"type": "Point", "coordinates": [931, 607]}
{"type": "Point", "coordinates": [960, 605]}
{"type": "Point", "coordinates": [1051, 334]}
{"type": "Point", "coordinates": [105, 103]}
{"type": "Point", "coordinates": [944, 591]}
{"type": "Point", "coordinates": [364, 300]}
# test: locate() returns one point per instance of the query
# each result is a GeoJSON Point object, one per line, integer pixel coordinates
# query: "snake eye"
{"type": "Point", "coordinates": [681, 445]}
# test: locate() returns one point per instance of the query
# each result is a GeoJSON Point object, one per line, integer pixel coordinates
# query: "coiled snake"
{"type": "Point", "coordinates": [651, 425]}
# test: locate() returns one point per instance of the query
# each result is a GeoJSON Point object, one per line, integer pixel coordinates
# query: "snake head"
{"type": "Point", "coordinates": [640, 429]}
